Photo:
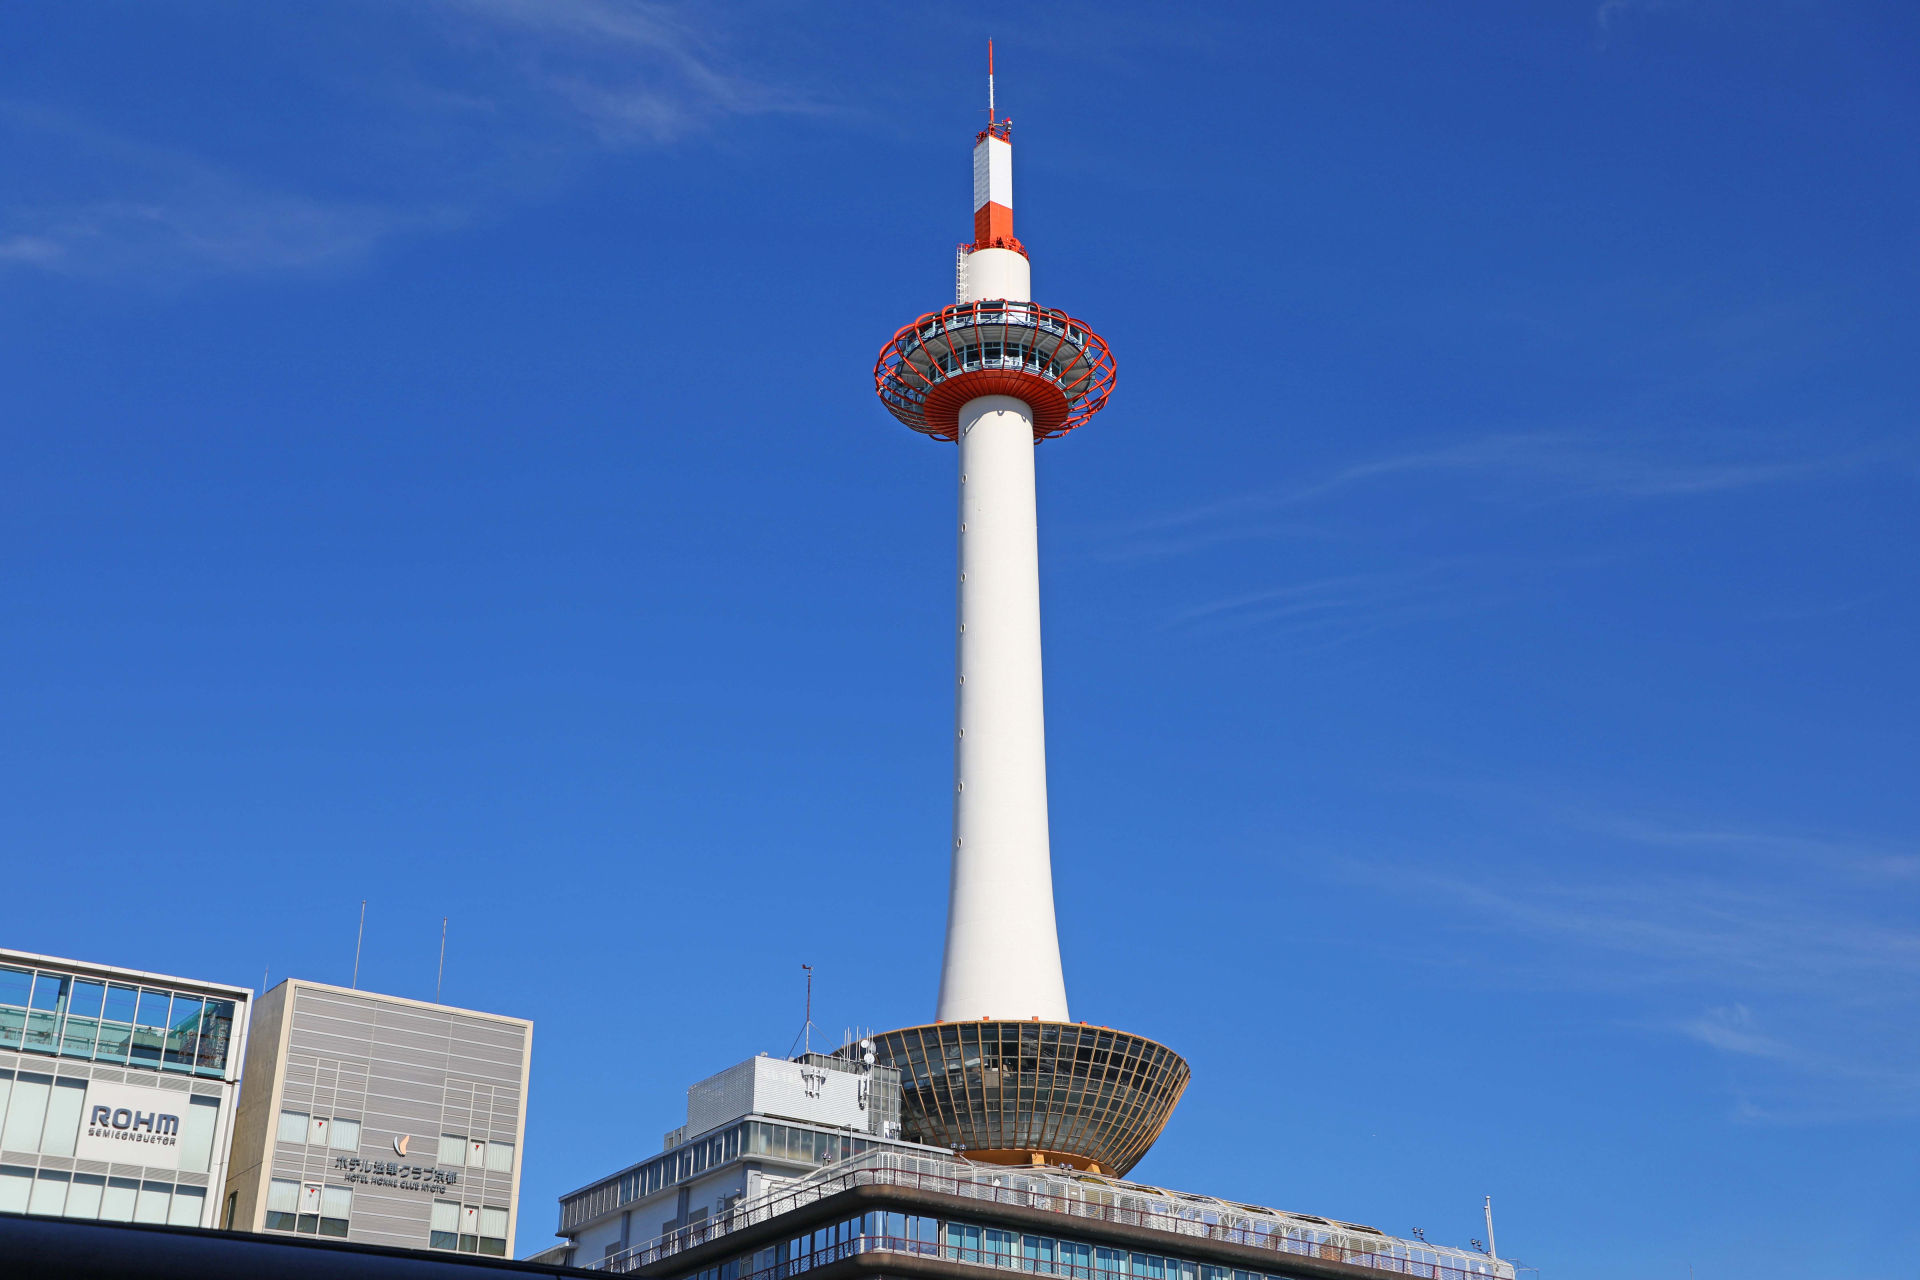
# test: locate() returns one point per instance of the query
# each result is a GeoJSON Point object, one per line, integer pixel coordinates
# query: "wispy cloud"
{"type": "Point", "coordinates": [518, 94]}
{"type": "Point", "coordinates": [1822, 966]}
{"type": "Point", "coordinates": [635, 72]}
{"type": "Point", "coordinates": [1324, 612]}
{"type": "Point", "coordinates": [1529, 469]}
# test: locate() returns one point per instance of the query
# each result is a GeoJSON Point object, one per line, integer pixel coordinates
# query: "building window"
{"type": "Point", "coordinates": [27, 1112]}
{"type": "Point", "coordinates": [117, 1204]}
{"type": "Point", "coordinates": [493, 1232]}
{"type": "Point", "coordinates": [233, 1206]}
{"type": "Point", "coordinates": [64, 1106]}
{"type": "Point", "coordinates": [476, 1152]}
{"type": "Point", "coordinates": [346, 1135]}
{"type": "Point", "coordinates": [196, 1134]}
{"type": "Point", "coordinates": [189, 1206]}
{"type": "Point", "coordinates": [336, 1203]}
{"type": "Point", "coordinates": [183, 1032]}
{"type": "Point", "coordinates": [150, 1029]}
{"type": "Point", "coordinates": [49, 1193]}
{"type": "Point", "coordinates": [83, 1200]}
{"type": "Point", "coordinates": [283, 1204]}
{"type": "Point", "coordinates": [446, 1225]}
{"type": "Point", "coordinates": [500, 1157]}
{"type": "Point", "coordinates": [293, 1126]}
{"type": "Point", "coordinates": [317, 1131]}
{"type": "Point", "coordinates": [309, 1220]}
{"type": "Point", "coordinates": [151, 1206]}
{"type": "Point", "coordinates": [469, 1229]}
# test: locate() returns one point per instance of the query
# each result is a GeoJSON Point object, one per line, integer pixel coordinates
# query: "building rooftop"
{"type": "Point", "coordinates": [1094, 1200]}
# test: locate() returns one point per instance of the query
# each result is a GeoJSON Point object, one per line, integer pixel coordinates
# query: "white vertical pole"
{"type": "Point", "coordinates": [1491, 1252]}
{"type": "Point", "coordinates": [1003, 951]}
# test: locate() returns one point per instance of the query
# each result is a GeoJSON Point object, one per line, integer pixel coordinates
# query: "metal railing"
{"type": "Point", "coordinates": [1330, 1245]}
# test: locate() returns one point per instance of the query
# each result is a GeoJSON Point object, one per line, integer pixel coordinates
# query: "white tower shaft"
{"type": "Point", "coordinates": [1003, 950]}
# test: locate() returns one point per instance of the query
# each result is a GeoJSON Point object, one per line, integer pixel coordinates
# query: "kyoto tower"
{"type": "Point", "coordinates": [1002, 1074]}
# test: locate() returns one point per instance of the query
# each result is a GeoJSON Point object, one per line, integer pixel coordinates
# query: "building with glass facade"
{"type": "Point", "coordinates": [381, 1120]}
{"type": "Point", "coordinates": [923, 1215]}
{"type": "Point", "coordinates": [117, 1090]}
{"type": "Point", "coordinates": [751, 1130]}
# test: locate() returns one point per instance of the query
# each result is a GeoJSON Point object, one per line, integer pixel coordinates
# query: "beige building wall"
{"type": "Point", "coordinates": [438, 1095]}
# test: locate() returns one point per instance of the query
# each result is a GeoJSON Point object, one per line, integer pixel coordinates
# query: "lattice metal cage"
{"type": "Point", "coordinates": [1008, 1091]}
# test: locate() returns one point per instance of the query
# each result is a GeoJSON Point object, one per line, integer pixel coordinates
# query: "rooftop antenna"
{"type": "Point", "coordinates": [805, 1038]}
{"type": "Point", "coordinates": [358, 938]}
{"type": "Point", "coordinates": [993, 116]}
{"type": "Point", "coordinates": [1490, 1250]}
{"type": "Point", "coordinates": [442, 975]}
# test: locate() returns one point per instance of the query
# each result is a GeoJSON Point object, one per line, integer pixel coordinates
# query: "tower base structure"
{"type": "Point", "coordinates": [1026, 1093]}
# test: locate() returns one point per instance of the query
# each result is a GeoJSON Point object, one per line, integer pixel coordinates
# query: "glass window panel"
{"type": "Point", "coordinates": [216, 1031]}
{"type": "Point", "coordinates": [283, 1203]}
{"type": "Point", "coordinates": [183, 1031]}
{"type": "Point", "coordinates": [335, 1205]}
{"type": "Point", "coordinates": [476, 1152]}
{"type": "Point", "coordinates": [16, 1186]}
{"type": "Point", "coordinates": [188, 1204]}
{"type": "Point", "coordinates": [317, 1131]}
{"type": "Point", "coordinates": [446, 1216]}
{"type": "Point", "coordinates": [83, 1199]}
{"type": "Point", "coordinates": [50, 992]}
{"type": "Point", "coordinates": [310, 1197]}
{"type": "Point", "coordinates": [64, 1106]}
{"type": "Point", "coordinates": [6, 1087]}
{"type": "Point", "coordinates": [112, 1043]}
{"type": "Point", "coordinates": [346, 1136]}
{"type": "Point", "coordinates": [151, 1206]}
{"type": "Point", "coordinates": [120, 1004]}
{"type": "Point", "coordinates": [147, 1046]}
{"type": "Point", "coordinates": [85, 998]}
{"type": "Point", "coordinates": [117, 1204]}
{"type": "Point", "coordinates": [13, 1025]}
{"type": "Point", "coordinates": [77, 1036]}
{"type": "Point", "coordinates": [49, 1193]}
{"type": "Point", "coordinates": [196, 1134]}
{"type": "Point", "coordinates": [42, 1031]}
{"type": "Point", "coordinates": [493, 1222]}
{"type": "Point", "coordinates": [14, 986]}
{"type": "Point", "coordinates": [26, 1113]}
{"type": "Point", "coordinates": [293, 1126]}
{"type": "Point", "coordinates": [153, 1010]}
{"type": "Point", "coordinates": [500, 1158]}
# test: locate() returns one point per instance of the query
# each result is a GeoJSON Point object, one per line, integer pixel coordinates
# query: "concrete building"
{"type": "Point", "coordinates": [751, 1131]}
{"type": "Point", "coordinates": [382, 1120]}
{"type": "Point", "coordinates": [117, 1090]}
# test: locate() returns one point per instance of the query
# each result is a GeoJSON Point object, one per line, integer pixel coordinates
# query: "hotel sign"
{"type": "Point", "coordinates": [131, 1124]}
{"type": "Point", "coordinates": [391, 1173]}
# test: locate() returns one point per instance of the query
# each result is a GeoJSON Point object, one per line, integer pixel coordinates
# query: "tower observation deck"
{"type": "Point", "coordinates": [1002, 1074]}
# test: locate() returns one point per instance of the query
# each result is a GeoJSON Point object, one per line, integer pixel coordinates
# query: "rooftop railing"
{"type": "Point", "coordinates": [1152, 1210]}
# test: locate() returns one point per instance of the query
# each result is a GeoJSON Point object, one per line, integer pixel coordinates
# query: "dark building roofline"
{"type": "Point", "coordinates": [71, 1249]}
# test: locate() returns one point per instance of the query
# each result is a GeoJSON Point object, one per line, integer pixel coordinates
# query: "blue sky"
{"type": "Point", "coordinates": [441, 468]}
